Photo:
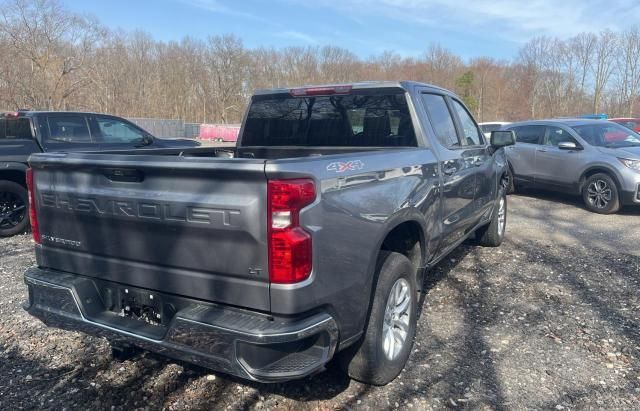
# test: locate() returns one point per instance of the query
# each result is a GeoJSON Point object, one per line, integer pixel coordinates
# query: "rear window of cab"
{"type": "Point", "coordinates": [379, 119]}
{"type": "Point", "coordinates": [15, 129]}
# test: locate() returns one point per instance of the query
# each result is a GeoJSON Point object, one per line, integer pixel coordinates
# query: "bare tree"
{"type": "Point", "coordinates": [51, 47]}
{"type": "Point", "coordinates": [628, 70]}
{"type": "Point", "coordinates": [227, 62]}
{"type": "Point", "coordinates": [602, 65]}
{"type": "Point", "coordinates": [52, 58]}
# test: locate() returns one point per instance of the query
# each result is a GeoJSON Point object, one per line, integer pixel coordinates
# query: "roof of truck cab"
{"type": "Point", "coordinates": [35, 112]}
{"type": "Point", "coordinates": [357, 86]}
{"type": "Point", "coordinates": [565, 121]}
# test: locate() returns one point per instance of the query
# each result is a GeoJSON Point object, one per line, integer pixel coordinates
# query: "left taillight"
{"type": "Point", "coordinates": [35, 229]}
{"type": "Point", "coordinates": [290, 259]}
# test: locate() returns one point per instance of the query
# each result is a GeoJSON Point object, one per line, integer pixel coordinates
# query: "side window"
{"type": "Point", "coordinates": [556, 135]}
{"type": "Point", "coordinates": [470, 131]}
{"type": "Point", "coordinates": [116, 131]}
{"type": "Point", "coordinates": [68, 129]}
{"type": "Point", "coordinates": [441, 120]}
{"type": "Point", "coordinates": [16, 129]}
{"type": "Point", "coordinates": [529, 134]}
{"type": "Point", "coordinates": [488, 128]}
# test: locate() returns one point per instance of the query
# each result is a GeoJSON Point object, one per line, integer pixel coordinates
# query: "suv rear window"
{"type": "Point", "coordinates": [19, 128]}
{"type": "Point", "coordinates": [354, 120]}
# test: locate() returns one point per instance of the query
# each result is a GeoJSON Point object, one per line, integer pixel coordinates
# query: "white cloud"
{"type": "Point", "coordinates": [297, 35]}
{"type": "Point", "coordinates": [507, 19]}
{"type": "Point", "coordinates": [217, 6]}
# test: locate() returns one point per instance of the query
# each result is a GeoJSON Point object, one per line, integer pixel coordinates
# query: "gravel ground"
{"type": "Point", "coordinates": [547, 321]}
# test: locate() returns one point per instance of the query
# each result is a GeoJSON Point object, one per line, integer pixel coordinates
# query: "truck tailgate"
{"type": "Point", "coordinates": [190, 226]}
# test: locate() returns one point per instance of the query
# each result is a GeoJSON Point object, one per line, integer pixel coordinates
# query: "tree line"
{"type": "Point", "coordinates": [54, 59]}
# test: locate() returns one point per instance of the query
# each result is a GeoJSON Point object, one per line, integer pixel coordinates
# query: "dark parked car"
{"type": "Point", "coordinates": [23, 133]}
{"type": "Point", "coordinates": [597, 159]}
{"type": "Point", "coordinates": [307, 240]}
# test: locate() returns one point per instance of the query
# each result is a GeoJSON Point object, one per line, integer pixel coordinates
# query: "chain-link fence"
{"type": "Point", "coordinates": [168, 128]}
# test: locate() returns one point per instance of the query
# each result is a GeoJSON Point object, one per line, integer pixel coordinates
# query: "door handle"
{"type": "Point", "coordinates": [540, 150]}
{"type": "Point", "coordinates": [123, 175]}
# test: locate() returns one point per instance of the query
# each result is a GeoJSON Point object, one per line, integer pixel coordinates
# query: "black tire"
{"type": "Point", "coordinates": [366, 361]}
{"type": "Point", "coordinates": [14, 208]}
{"type": "Point", "coordinates": [492, 234]}
{"type": "Point", "coordinates": [510, 185]}
{"type": "Point", "coordinates": [600, 194]}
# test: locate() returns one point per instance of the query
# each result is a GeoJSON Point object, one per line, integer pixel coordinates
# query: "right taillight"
{"type": "Point", "coordinates": [289, 244]}
{"type": "Point", "coordinates": [35, 229]}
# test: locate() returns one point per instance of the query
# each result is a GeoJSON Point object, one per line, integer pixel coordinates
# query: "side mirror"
{"type": "Point", "coordinates": [568, 145]}
{"type": "Point", "coordinates": [502, 138]}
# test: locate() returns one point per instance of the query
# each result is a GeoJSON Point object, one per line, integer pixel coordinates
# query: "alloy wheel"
{"type": "Point", "coordinates": [502, 216]}
{"type": "Point", "coordinates": [12, 210]}
{"type": "Point", "coordinates": [599, 194]}
{"type": "Point", "coordinates": [396, 319]}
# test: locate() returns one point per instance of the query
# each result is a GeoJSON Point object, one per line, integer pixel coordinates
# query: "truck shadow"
{"type": "Point", "coordinates": [568, 199]}
{"type": "Point", "coordinates": [471, 349]}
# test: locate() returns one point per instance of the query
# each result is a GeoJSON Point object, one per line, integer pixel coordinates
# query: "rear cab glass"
{"type": "Point", "coordinates": [16, 128]}
{"type": "Point", "coordinates": [362, 118]}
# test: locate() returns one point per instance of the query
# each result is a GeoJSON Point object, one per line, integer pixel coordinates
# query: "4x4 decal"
{"type": "Point", "coordinates": [340, 167]}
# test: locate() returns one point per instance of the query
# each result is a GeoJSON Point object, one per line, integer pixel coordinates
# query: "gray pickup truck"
{"type": "Point", "coordinates": [307, 241]}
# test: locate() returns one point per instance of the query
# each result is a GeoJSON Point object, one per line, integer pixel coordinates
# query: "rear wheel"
{"type": "Point", "coordinates": [14, 208]}
{"type": "Point", "coordinates": [510, 185]}
{"type": "Point", "coordinates": [383, 351]}
{"type": "Point", "coordinates": [600, 194]}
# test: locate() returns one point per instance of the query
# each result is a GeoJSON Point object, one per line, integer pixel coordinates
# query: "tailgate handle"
{"type": "Point", "coordinates": [127, 175]}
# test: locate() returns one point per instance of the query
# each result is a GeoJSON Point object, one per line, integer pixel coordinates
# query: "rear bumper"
{"type": "Point", "coordinates": [246, 344]}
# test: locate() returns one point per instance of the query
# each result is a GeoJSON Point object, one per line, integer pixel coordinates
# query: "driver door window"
{"type": "Point", "coordinates": [556, 135]}
{"type": "Point", "coordinates": [118, 132]}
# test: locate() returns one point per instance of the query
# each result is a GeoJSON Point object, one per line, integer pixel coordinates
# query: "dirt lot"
{"type": "Point", "coordinates": [550, 320]}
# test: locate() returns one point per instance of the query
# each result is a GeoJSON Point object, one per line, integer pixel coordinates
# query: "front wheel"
{"type": "Point", "coordinates": [492, 234]}
{"type": "Point", "coordinates": [383, 351]}
{"type": "Point", "coordinates": [600, 194]}
{"type": "Point", "coordinates": [14, 208]}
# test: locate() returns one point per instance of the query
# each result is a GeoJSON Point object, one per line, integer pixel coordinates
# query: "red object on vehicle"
{"type": "Point", "coordinates": [219, 132]}
{"type": "Point", "coordinates": [632, 123]}
{"type": "Point", "coordinates": [613, 136]}
{"type": "Point", "coordinates": [321, 91]}
{"type": "Point", "coordinates": [290, 257]}
{"type": "Point", "coordinates": [35, 229]}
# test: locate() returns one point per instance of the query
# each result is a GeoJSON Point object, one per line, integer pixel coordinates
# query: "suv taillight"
{"type": "Point", "coordinates": [35, 229]}
{"type": "Point", "coordinates": [289, 244]}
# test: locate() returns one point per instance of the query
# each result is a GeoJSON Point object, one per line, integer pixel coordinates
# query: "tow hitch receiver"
{"type": "Point", "coordinates": [141, 305]}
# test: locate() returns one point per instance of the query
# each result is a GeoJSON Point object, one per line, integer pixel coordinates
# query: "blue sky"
{"type": "Point", "coordinates": [495, 28]}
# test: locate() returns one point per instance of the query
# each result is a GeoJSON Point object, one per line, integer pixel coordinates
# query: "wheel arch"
{"type": "Point", "coordinates": [390, 240]}
{"type": "Point", "coordinates": [596, 170]}
{"type": "Point", "coordinates": [15, 172]}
